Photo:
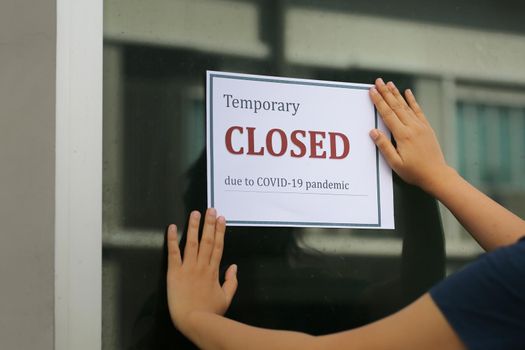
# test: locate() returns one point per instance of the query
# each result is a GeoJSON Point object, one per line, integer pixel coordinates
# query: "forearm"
{"type": "Point", "coordinates": [488, 222]}
{"type": "Point", "coordinates": [214, 332]}
{"type": "Point", "coordinates": [418, 326]}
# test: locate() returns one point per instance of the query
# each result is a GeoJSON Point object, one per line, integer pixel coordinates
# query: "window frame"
{"type": "Point", "coordinates": [78, 182]}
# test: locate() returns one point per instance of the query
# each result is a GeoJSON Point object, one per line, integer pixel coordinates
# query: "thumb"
{"type": "Point", "coordinates": [230, 282]}
{"type": "Point", "coordinates": [386, 148]}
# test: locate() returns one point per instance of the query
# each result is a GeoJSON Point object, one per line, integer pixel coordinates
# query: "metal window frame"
{"type": "Point", "coordinates": [78, 183]}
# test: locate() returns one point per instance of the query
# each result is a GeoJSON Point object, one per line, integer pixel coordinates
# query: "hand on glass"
{"type": "Point", "coordinates": [417, 157]}
{"type": "Point", "coordinates": [193, 282]}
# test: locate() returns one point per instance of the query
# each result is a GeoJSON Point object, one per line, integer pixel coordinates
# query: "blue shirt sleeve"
{"type": "Point", "coordinates": [485, 302]}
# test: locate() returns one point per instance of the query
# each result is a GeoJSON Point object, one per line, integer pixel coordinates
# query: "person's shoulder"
{"type": "Point", "coordinates": [483, 302]}
{"type": "Point", "coordinates": [508, 260]}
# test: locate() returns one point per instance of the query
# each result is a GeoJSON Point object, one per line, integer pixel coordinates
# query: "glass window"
{"type": "Point", "coordinates": [491, 143]}
{"type": "Point", "coordinates": [313, 280]}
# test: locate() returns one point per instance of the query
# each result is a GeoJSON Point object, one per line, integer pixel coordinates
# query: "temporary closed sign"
{"type": "Point", "coordinates": [295, 152]}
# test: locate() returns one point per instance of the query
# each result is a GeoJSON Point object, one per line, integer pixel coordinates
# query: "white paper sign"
{"type": "Point", "coordinates": [295, 152]}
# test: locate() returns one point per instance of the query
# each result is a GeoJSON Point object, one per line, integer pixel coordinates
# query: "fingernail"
{"type": "Point", "coordinates": [374, 134]}
{"type": "Point", "coordinates": [221, 220]}
{"type": "Point", "coordinates": [380, 80]}
{"type": "Point", "coordinates": [195, 214]}
{"type": "Point", "coordinates": [391, 83]}
{"type": "Point", "coordinates": [234, 269]}
{"type": "Point", "coordinates": [409, 91]}
{"type": "Point", "coordinates": [373, 90]}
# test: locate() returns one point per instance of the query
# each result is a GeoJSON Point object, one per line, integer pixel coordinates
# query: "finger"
{"type": "Point", "coordinates": [192, 239]}
{"type": "Point", "coordinates": [174, 259]}
{"type": "Point", "coordinates": [386, 148]}
{"type": "Point", "coordinates": [397, 94]}
{"type": "Point", "coordinates": [208, 237]}
{"type": "Point", "coordinates": [218, 247]}
{"type": "Point", "coordinates": [411, 99]}
{"type": "Point", "coordinates": [230, 283]}
{"type": "Point", "coordinates": [400, 109]}
{"type": "Point", "coordinates": [387, 114]}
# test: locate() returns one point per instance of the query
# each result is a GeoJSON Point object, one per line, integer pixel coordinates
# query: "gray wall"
{"type": "Point", "coordinates": [27, 173]}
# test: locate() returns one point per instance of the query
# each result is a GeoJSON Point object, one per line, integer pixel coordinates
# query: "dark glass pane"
{"type": "Point", "coordinates": [312, 280]}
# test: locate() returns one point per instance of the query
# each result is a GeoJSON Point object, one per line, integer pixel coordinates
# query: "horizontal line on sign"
{"type": "Point", "coordinates": [310, 193]}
